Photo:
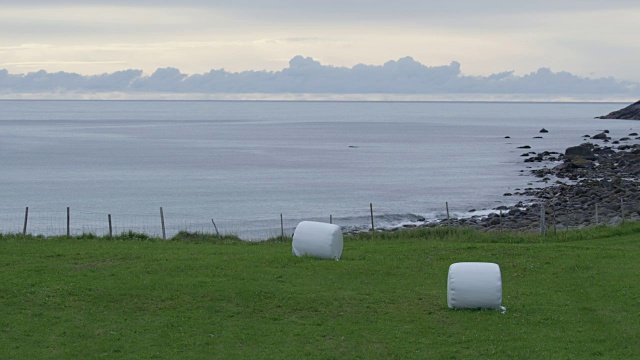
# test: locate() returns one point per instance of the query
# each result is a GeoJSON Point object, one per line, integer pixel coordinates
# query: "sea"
{"type": "Point", "coordinates": [257, 168]}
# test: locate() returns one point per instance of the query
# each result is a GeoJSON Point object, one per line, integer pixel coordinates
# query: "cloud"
{"type": "Point", "coordinates": [45, 82]}
{"type": "Point", "coordinates": [309, 76]}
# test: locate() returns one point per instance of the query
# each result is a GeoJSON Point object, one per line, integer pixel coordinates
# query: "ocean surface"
{"type": "Point", "coordinates": [244, 163]}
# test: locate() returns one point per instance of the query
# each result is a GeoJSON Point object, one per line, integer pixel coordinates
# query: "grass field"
{"type": "Point", "coordinates": [571, 296]}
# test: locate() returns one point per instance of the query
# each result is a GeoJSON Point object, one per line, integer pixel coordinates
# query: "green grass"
{"type": "Point", "coordinates": [575, 295]}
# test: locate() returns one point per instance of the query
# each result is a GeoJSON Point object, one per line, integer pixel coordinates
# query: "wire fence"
{"type": "Point", "coordinates": [73, 222]}
{"type": "Point", "coordinates": [166, 223]}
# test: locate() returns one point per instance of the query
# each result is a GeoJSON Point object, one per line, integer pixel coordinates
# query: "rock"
{"type": "Point", "coordinates": [538, 137]}
{"type": "Point", "coordinates": [543, 130]}
{"type": "Point", "coordinates": [633, 134]}
{"type": "Point", "coordinates": [507, 137]}
{"type": "Point", "coordinates": [601, 136]}
{"type": "Point", "coordinates": [631, 112]}
{"type": "Point", "coordinates": [584, 151]}
{"type": "Point", "coordinates": [524, 147]}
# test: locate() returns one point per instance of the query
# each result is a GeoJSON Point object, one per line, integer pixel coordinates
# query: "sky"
{"type": "Point", "coordinates": [587, 38]}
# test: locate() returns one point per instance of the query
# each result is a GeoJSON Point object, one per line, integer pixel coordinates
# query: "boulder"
{"type": "Point", "coordinates": [601, 136]}
{"type": "Point", "coordinates": [584, 151]}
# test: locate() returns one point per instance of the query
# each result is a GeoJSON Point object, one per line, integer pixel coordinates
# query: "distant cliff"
{"type": "Point", "coordinates": [631, 112]}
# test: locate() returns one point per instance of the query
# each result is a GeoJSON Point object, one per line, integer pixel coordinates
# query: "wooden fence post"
{"type": "Point", "coordinates": [26, 217]}
{"type": "Point", "coordinates": [215, 227]}
{"type": "Point", "coordinates": [164, 233]}
{"type": "Point", "coordinates": [330, 219]}
{"type": "Point", "coordinates": [68, 221]}
{"type": "Point", "coordinates": [281, 228]}
{"type": "Point", "coordinates": [622, 209]}
{"type": "Point", "coordinates": [373, 229]}
{"type": "Point", "coordinates": [500, 220]}
{"type": "Point", "coordinates": [597, 220]}
{"type": "Point", "coordinates": [448, 217]}
{"type": "Point", "coordinates": [110, 228]}
{"type": "Point", "coordinates": [543, 229]}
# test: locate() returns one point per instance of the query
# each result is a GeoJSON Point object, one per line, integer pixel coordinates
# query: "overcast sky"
{"type": "Point", "coordinates": [587, 38]}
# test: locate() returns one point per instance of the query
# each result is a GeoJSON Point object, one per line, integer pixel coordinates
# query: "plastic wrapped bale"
{"type": "Point", "coordinates": [474, 285]}
{"type": "Point", "coordinates": [317, 239]}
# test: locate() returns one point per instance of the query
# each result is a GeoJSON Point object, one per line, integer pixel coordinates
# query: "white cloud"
{"type": "Point", "coordinates": [93, 37]}
{"type": "Point", "coordinates": [304, 75]}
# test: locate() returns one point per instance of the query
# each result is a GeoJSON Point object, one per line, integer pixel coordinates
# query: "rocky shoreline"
{"type": "Point", "coordinates": [595, 183]}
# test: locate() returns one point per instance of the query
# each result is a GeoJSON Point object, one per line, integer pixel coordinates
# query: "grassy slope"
{"type": "Point", "coordinates": [574, 297]}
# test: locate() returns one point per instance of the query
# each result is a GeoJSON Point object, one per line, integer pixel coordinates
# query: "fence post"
{"type": "Point", "coordinates": [597, 220]}
{"type": "Point", "coordinates": [68, 221]}
{"type": "Point", "coordinates": [500, 220]}
{"type": "Point", "coordinates": [215, 227]}
{"type": "Point", "coordinates": [330, 219]}
{"type": "Point", "coordinates": [164, 233]}
{"type": "Point", "coordinates": [448, 217]}
{"type": "Point", "coordinates": [373, 229]}
{"type": "Point", "coordinates": [281, 228]}
{"type": "Point", "coordinates": [543, 229]}
{"type": "Point", "coordinates": [555, 223]}
{"type": "Point", "coordinates": [110, 228]}
{"type": "Point", "coordinates": [622, 208]}
{"type": "Point", "coordinates": [26, 217]}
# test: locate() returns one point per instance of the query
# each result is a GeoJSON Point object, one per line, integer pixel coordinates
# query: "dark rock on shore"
{"type": "Point", "coordinates": [601, 136]}
{"type": "Point", "coordinates": [631, 112]}
{"type": "Point", "coordinates": [590, 176]}
{"type": "Point", "coordinates": [584, 151]}
{"type": "Point", "coordinates": [594, 185]}
{"type": "Point", "coordinates": [603, 177]}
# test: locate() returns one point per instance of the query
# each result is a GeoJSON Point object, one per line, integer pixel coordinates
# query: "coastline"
{"type": "Point", "coordinates": [594, 183]}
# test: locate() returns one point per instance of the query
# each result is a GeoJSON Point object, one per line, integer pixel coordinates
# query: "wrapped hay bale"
{"type": "Point", "coordinates": [317, 239]}
{"type": "Point", "coordinates": [474, 285]}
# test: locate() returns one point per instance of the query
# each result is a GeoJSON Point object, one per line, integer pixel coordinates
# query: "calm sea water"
{"type": "Point", "coordinates": [245, 163]}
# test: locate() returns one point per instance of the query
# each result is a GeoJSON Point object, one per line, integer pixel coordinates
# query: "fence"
{"type": "Point", "coordinates": [164, 223]}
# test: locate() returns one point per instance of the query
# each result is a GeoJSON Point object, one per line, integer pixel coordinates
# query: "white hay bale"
{"type": "Point", "coordinates": [474, 285]}
{"type": "Point", "coordinates": [317, 239]}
